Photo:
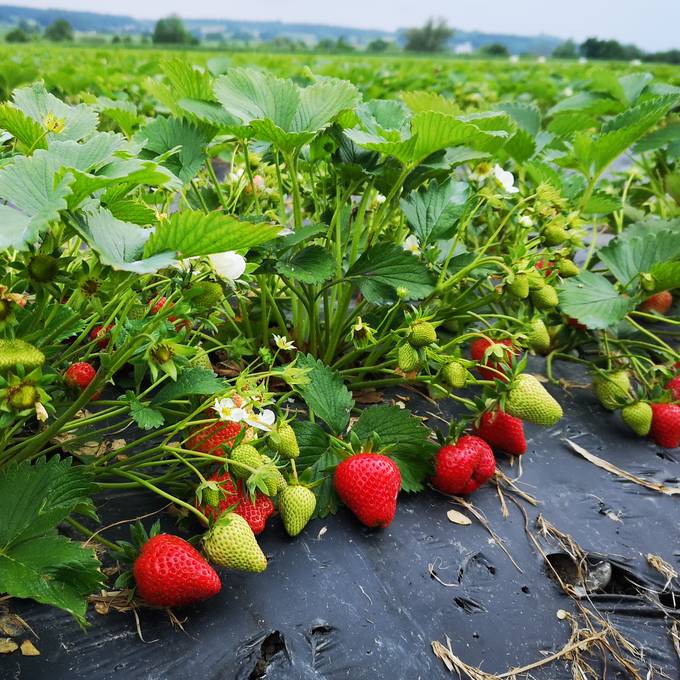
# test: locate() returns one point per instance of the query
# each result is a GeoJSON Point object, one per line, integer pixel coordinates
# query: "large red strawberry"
{"type": "Point", "coordinates": [674, 386]}
{"type": "Point", "coordinates": [256, 512]}
{"type": "Point", "coordinates": [170, 572]}
{"type": "Point", "coordinates": [659, 302]}
{"type": "Point", "coordinates": [463, 467]}
{"type": "Point", "coordinates": [665, 430]}
{"type": "Point", "coordinates": [209, 439]}
{"type": "Point", "coordinates": [492, 368]}
{"type": "Point", "coordinates": [502, 432]}
{"type": "Point", "coordinates": [368, 484]}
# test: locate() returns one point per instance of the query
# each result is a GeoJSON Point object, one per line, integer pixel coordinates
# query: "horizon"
{"type": "Point", "coordinates": [627, 23]}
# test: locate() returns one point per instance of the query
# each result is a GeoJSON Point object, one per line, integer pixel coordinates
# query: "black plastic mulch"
{"type": "Point", "coordinates": [341, 601]}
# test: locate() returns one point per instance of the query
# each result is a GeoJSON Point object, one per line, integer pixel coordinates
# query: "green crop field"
{"type": "Point", "coordinates": [222, 272]}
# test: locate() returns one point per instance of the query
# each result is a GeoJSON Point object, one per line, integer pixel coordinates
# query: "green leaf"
{"type": "Point", "coordinates": [165, 134]}
{"type": "Point", "coordinates": [630, 255]}
{"type": "Point", "coordinates": [312, 265]}
{"type": "Point", "coordinates": [602, 204]}
{"type": "Point", "coordinates": [325, 394]}
{"type": "Point", "coordinates": [666, 276]}
{"type": "Point", "coordinates": [593, 301]}
{"type": "Point", "coordinates": [35, 561]}
{"type": "Point", "coordinates": [200, 381]}
{"type": "Point", "coordinates": [36, 102]}
{"type": "Point", "coordinates": [405, 437]}
{"type": "Point", "coordinates": [147, 418]}
{"type": "Point", "coordinates": [659, 138]}
{"type": "Point", "coordinates": [381, 270]}
{"type": "Point", "coordinates": [24, 129]}
{"type": "Point", "coordinates": [35, 197]}
{"type": "Point", "coordinates": [191, 233]}
{"type": "Point", "coordinates": [433, 212]}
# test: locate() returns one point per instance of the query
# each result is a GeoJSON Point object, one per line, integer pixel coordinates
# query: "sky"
{"type": "Point", "coordinates": [651, 24]}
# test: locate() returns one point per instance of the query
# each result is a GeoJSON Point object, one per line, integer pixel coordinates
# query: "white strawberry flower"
{"type": "Point", "coordinates": [526, 221]}
{"type": "Point", "coordinates": [568, 92]}
{"type": "Point", "coordinates": [40, 412]}
{"type": "Point", "coordinates": [411, 244]}
{"type": "Point", "coordinates": [226, 409]}
{"type": "Point", "coordinates": [505, 179]}
{"type": "Point", "coordinates": [264, 420]}
{"type": "Point", "coordinates": [229, 265]}
{"type": "Point", "coordinates": [282, 342]}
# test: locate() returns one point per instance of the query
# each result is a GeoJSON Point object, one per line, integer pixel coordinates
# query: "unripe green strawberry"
{"type": "Point", "coordinates": [17, 352]}
{"type": "Point", "coordinates": [519, 286]}
{"type": "Point", "coordinates": [545, 298]}
{"type": "Point", "coordinates": [454, 374]}
{"type": "Point", "coordinates": [137, 312]}
{"type": "Point", "coordinates": [248, 455]}
{"type": "Point", "coordinates": [43, 268]}
{"type": "Point", "coordinates": [529, 400]}
{"type": "Point", "coordinates": [201, 360]}
{"type": "Point", "coordinates": [638, 417]}
{"type": "Point", "coordinates": [567, 268]}
{"type": "Point", "coordinates": [284, 441]}
{"type": "Point", "coordinates": [536, 280]}
{"type": "Point", "coordinates": [210, 495]}
{"type": "Point", "coordinates": [538, 337]}
{"type": "Point", "coordinates": [554, 235]}
{"type": "Point", "coordinates": [231, 543]}
{"type": "Point", "coordinates": [23, 397]}
{"type": "Point", "coordinates": [422, 334]}
{"type": "Point", "coordinates": [211, 294]}
{"type": "Point", "coordinates": [274, 480]}
{"type": "Point", "coordinates": [407, 358]}
{"type": "Point", "coordinates": [296, 505]}
{"type": "Point", "coordinates": [612, 389]}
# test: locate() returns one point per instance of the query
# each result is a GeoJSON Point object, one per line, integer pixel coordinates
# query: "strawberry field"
{"type": "Point", "coordinates": [287, 337]}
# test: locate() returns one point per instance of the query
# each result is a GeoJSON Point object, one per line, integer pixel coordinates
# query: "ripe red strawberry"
{"type": "Point", "coordinates": [546, 268]}
{"type": "Point", "coordinates": [256, 512]}
{"type": "Point", "coordinates": [674, 386]}
{"type": "Point", "coordinates": [368, 484]}
{"type": "Point", "coordinates": [463, 467]}
{"type": "Point", "coordinates": [100, 334]}
{"type": "Point", "coordinates": [209, 439]}
{"type": "Point", "coordinates": [169, 572]}
{"type": "Point", "coordinates": [665, 430]}
{"type": "Point", "coordinates": [576, 324]}
{"type": "Point", "coordinates": [659, 302]}
{"type": "Point", "coordinates": [159, 303]}
{"type": "Point", "coordinates": [492, 369]}
{"type": "Point", "coordinates": [80, 375]}
{"type": "Point", "coordinates": [502, 431]}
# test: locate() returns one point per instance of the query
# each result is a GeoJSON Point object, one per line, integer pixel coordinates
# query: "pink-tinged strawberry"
{"type": "Point", "coordinates": [368, 484]}
{"type": "Point", "coordinates": [209, 439]}
{"type": "Point", "coordinates": [159, 303]}
{"type": "Point", "coordinates": [463, 467]}
{"type": "Point", "coordinates": [170, 572]}
{"type": "Point", "coordinates": [502, 432]}
{"type": "Point", "coordinates": [101, 335]}
{"type": "Point", "coordinates": [659, 302]}
{"type": "Point", "coordinates": [256, 512]}
{"type": "Point", "coordinates": [665, 430]}
{"type": "Point", "coordinates": [674, 386]}
{"type": "Point", "coordinates": [491, 368]}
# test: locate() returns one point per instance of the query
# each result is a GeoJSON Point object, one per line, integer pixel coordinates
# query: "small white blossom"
{"type": "Point", "coordinates": [635, 62]}
{"type": "Point", "coordinates": [235, 175]}
{"type": "Point", "coordinates": [514, 58]}
{"type": "Point", "coordinates": [228, 265]}
{"type": "Point", "coordinates": [258, 181]}
{"type": "Point", "coordinates": [582, 60]}
{"type": "Point", "coordinates": [226, 409]}
{"type": "Point", "coordinates": [526, 221]}
{"type": "Point", "coordinates": [262, 421]}
{"type": "Point", "coordinates": [541, 60]}
{"type": "Point", "coordinates": [411, 245]}
{"type": "Point", "coordinates": [567, 92]}
{"type": "Point", "coordinates": [282, 342]}
{"type": "Point", "coordinates": [505, 179]}
{"type": "Point", "coordinates": [41, 412]}
{"type": "Point", "coordinates": [481, 172]}
{"type": "Point", "coordinates": [379, 198]}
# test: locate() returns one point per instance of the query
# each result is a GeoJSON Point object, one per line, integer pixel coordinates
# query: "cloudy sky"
{"type": "Point", "coordinates": [651, 24]}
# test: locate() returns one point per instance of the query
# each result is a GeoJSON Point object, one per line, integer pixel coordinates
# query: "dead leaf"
{"type": "Point", "coordinates": [610, 467]}
{"type": "Point", "coordinates": [458, 518]}
{"type": "Point", "coordinates": [368, 397]}
{"type": "Point", "coordinates": [29, 649]}
{"type": "Point", "coordinates": [11, 625]}
{"type": "Point", "coordinates": [8, 646]}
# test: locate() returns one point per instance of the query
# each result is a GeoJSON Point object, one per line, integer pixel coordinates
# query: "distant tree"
{"type": "Point", "coordinates": [28, 27]}
{"type": "Point", "coordinates": [670, 57]}
{"type": "Point", "coordinates": [59, 31]}
{"type": "Point", "coordinates": [494, 50]}
{"type": "Point", "coordinates": [17, 35]}
{"type": "Point", "coordinates": [378, 45]}
{"type": "Point", "coordinates": [432, 37]}
{"type": "Point", "coordinates": [115, 40]}
{"type": "Point", "coordinates": [567, 50]}
{"type": "Point", "coordinates": [593, 48]}
{"type": "Point", "coordinates": [326, 45]}
{"type": "Point", "coordinates": [171, 31]}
